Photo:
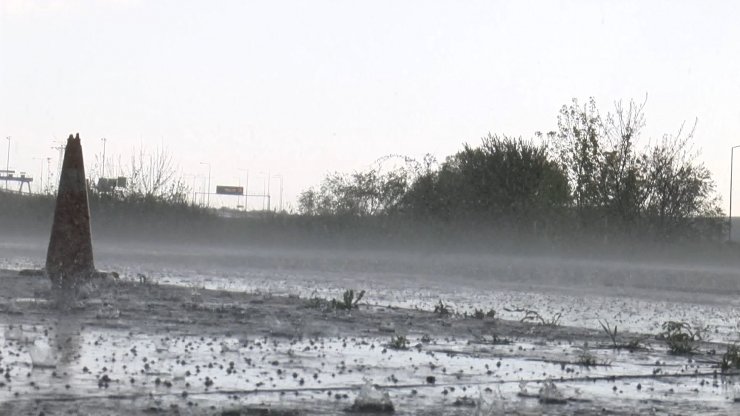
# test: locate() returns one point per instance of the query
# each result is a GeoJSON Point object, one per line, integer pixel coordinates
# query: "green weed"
{"type": "Point", "coordinates": [531, 315]}
{"type": "Point", "coordinates": [731, 358]}
{"type": "Point", "coordinates": [399, 342]}
{"type": "Point", "coordinates": [612, 333]}
{"type": "Point", "coordinates": [681, 337]}
{"type": "Point", "coordinates": [348, 301]}
{"type": "Point", "coordinates": [480, 314]}
{"type": "Point", "coordinates": [442, 309]}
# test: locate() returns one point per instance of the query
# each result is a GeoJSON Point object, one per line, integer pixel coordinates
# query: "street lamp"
{"type": "Point", "coordinates": [7, 165]}
{"type": "Point", "coordinates": [195, 191]}
{"type": "Point", "coordinates": [246, 188]}
{"type": "Point", "coordinates": [103, 164]}
{"type": "Point", "coordinates": [732, 161]}
{"type": "Point", "coordinates": [48, 175]}
{"type": "Point", "coordinates": [208, 191]}
{"type": "Point", "coordinates": [269, 182]}
{"type": "Point", "coordinates": [281, 189]}
{"type": "Point", "coordinates": [41, 176]}
{"type": "Point", "coordinates": [265, 189]}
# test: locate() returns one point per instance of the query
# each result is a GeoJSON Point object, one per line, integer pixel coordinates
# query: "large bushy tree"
{"type": "Point", "coordinates": [503, 179]}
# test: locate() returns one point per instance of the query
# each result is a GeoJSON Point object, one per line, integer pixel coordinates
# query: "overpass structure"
{"type": "Point", "coordinates": [9, 176]}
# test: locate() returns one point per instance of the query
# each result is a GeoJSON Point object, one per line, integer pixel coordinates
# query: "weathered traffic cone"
{"type": "Point", "coordinates": [69, 260]}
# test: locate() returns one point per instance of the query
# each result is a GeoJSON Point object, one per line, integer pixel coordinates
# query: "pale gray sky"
{"type": "Point", "coordinates": [302, 88]}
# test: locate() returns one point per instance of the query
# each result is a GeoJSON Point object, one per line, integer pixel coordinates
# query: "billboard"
{"type": "Point", "coordinates": [106, 184]}
{"type": "Point", "coordinates": [229, 190]}
{"type": "Point", "coordinates": [109, 184]}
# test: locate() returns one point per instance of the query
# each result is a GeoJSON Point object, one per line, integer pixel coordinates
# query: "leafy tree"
{"type": "Point", "coordinates": [579, 147]}
{"type": "Point", "coordinates": [373, 192]}
{"type": "Point", "coordinates": [502, 179]}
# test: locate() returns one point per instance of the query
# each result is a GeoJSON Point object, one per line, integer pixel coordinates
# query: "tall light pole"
{"type": "Point", "coordinates": [103, 164]}
{"type": "Point", "coordinates": [41, 176]}
{"type": "Point", "coordinates": [281, 190]}
{"type": "Point", "coordinates": [208, 191]}
{"type": "Point", "coordinates": [732, 162]}
{"type": "Point", "coordinates": [7, 164]}
{"type": "Point", "coordinates": [59, 149]}
{"type": "Point", "coordinates": [269, 178]}
{"type": "Point", "coordinates": [48, 174]}
{"type": "Point", "coordinates": [194, 200]}
{"type": "Point", "coordinates": [246, 188]}
{"type": "Point", "coordinates": [265, 192]}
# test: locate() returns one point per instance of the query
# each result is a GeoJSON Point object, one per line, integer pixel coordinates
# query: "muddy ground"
{"type": "Point", "coordinates": [268, 340]}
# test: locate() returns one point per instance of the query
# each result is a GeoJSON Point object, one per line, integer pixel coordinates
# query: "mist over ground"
{"type": "Point", "coordinates": [387, 249]}
{"type": "Point", "coordinates": [504, 304]}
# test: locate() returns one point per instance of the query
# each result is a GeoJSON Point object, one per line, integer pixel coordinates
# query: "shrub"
{"type": "Point", "coordinates": [681, 337]}
{"type": "Point", "coordinates": [731, 358]}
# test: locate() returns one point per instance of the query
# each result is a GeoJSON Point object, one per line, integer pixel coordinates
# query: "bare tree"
{"type": "Point", "coordinates": [154, 175]}
{"type": "Point", "coordinates": [679, 189]}
{"type": "Point", "coordinates": [622, 171]}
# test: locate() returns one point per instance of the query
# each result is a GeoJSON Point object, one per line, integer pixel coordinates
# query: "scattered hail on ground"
{"type": "Point", "coordinates": [191, 331]}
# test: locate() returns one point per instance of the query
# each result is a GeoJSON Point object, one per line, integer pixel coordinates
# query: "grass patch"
{"type": "Point", "coordinates": [633, 344]}
{"type": "Point", "coordinates": [480, 314]}
{"type": "Point", "coordinates": [531, 315]}
{"type": "Point", "coordinates": [636, 344]}
{"type": "Point", "coordinates": [348, 302]}
{"type": "Point", "coordinates": [316, 302]}
{"type": "Point", "coordinates": [586, 358]}
{"type": "Point", "coordinates": [399, 342]}
{"type": "Point", "coordinates": [442, 309]}
{"type": "Point", "coordinates": [496, 340]}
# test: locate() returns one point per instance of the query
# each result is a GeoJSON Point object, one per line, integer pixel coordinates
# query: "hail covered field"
{"type": "Point", "coordinates": [217, 330]}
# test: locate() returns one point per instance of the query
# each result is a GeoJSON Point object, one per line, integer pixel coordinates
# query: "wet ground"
{"type": "Point", "coordinates": [188, 330]}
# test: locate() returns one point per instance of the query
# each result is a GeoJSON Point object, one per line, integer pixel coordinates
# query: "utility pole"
{"type": "Point", "coordinates": [59, 149]}
{"type": "Point", "coordinates": [7, 165]}
{"type": "Point", "coordinates": [281, 190]}
{"type": "Point", "coordinates": [48, 174]}
{"type": "Point", "coordinates": [268, 189]}
{"type": "Point", "coordinates": [732, 162]}
{"type": "Point", "coordinates": [194, 199]}
{"type": "Point", "coordinates": [41, 176]}
{"type": "Point", "coordinates": [208, 191]}
{"type": "Point", "coordinates": [264, 188]}
{"type": "Point", "coordinates": [246, 188]}
{"type": "Point", "coordinates": [102, 174]}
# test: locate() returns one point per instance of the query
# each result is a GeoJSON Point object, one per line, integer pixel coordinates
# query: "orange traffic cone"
{"type": "Point", "coordinates": [69, 260]}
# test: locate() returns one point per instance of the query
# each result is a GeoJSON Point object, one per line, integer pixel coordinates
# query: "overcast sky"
{"type": "Point", "coordinates": [302, 88]}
